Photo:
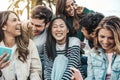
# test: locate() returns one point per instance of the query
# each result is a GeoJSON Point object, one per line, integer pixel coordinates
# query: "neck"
{"type": "Point", "coordinates": [110, 51]}
{"type": "Point", "coordinates": [9, 42]}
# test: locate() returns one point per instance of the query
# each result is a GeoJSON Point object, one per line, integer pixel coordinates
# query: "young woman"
{"type": "Point", "coordinates": [60, 44]}
{"type": "Point", "coordinates": [104, 58]}
{"type": "Point", "coordinates": [68, 9]}
{"type": "Point", "coordinates": [25, 62]}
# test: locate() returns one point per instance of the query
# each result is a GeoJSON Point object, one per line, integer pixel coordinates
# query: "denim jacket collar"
{"type": "Point", "coordinates": [102, 53]}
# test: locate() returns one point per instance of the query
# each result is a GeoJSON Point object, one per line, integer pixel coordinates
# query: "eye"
{"type": "Point", "coordinates": [15, 19]}
{"type": "Point", "coordinates": [111, 38]}
{"type": "Point", "coordinates": [101, 36]}
{"type": "Point", "coordinates": [54, 26]}
{"type": "Point", "coordinates": [72, 4]}
{"type": "Point", "coordinates": [37, 25]}
{"type": "Point", "coordinates": [61, 26]}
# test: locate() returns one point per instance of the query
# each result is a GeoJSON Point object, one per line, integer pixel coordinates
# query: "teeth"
{"type": "Point", "coordinates": [106, 45]}
{"type": "Point", "coordinates": [59, 34]}
{"type": "Point", "coordinates": [17, 28]}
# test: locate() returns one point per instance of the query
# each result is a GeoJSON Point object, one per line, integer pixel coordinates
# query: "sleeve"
{"type": "Point", "coordinates": [35, 66]}
{"type": "Point", "coordinates": [86, 10]}
{"type": "Point", "coordinates": [48, 66]}
{"type": "Point", "coordinates": [73, 60]}
{"type": "Point", "coordinates": [90, 75]}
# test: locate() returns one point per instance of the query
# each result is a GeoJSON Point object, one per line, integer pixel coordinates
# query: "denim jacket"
{"type": "Point", "coordinates": [98, 64]}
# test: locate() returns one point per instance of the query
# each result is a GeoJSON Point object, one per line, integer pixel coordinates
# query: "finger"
{"type": "Point", "coordinates": [74, 69]}
{"type": "Point", "coordinates": [72, 78]}
{"type": "Point", "coordinates": [3, 55]}
{"type": "Point", "coordinates": [3, 59]}
{"type": "Point", "coordinates": [5, 64]}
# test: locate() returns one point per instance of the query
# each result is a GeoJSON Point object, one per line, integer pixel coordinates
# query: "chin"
{"type": "Point", "coordinates": [72, 15]}
{"type": "Point", "coordinates": [35, 34]}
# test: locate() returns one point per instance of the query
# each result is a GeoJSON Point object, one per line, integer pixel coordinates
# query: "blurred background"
{"type": "Point", "coordinates": [23, 7]}
{"type": "Point", "coordinates": [107, 7]}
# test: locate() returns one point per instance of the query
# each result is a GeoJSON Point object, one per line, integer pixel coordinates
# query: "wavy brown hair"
{"type": "Point", "coordinates": [111, 23]}
{"type": "Point", "coordinates": [22, 41]}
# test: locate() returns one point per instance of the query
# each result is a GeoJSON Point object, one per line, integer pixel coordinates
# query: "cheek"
{"type": "Point", "coordinates": [66, 10]}
{"type": "Point", "coordinates": [53, 31]}
{"type": "Point", "coordinates": [40, 29]}
{"type": "Point", "coordinates": [99, 40]}
{"type": "Point", "coordinates": [112, 42]}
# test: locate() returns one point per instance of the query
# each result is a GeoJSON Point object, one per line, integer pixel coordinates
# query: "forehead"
{"type": "Point", "coordinates": [105, 32]}
{"type": "Point", "coordinates": [68, 2]}
{"type": "Point", "coordinates": [35, 20]}
{"type": "Point", "coordinates": [58, 21]}
{"type": "Point", "coordinates": [12, 15]}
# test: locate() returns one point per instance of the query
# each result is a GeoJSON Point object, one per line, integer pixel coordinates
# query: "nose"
{"type": "Point", "coordinates": [58, 29]}
{"type": "Point", "coordinates": [105, 40]}
{"type": "Point", "coordinates": [33, 28]}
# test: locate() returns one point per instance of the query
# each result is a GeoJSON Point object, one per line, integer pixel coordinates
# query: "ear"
{"type": "Point", "coordinates": [4, 27]}
{"type": "Point", "coordinates": [92, 34]}
{"type": "Point", "coordinates": [67, 30]}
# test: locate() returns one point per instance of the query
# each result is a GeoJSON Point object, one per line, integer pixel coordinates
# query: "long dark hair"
{"type": "Point", "coordinates": [51, 42]}
{"type": "Point", "coordinates": [22, 41]}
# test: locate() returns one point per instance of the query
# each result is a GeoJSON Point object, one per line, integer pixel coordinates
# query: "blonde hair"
{"type": "Point", "coordinates": [27, 28]}
{"type": "Point", "coordinates": [111, 23]}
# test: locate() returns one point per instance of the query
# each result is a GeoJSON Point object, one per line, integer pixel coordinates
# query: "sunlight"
{"type": "Point", "coordinates": [4, 5]}
{"type": "Point", "coordinates": [107, 7]}
{"type": "Point", "coordinates": [21, 10]}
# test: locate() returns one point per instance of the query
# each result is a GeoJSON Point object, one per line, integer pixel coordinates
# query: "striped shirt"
{"type": "Point", "coordinates": [73, 55]}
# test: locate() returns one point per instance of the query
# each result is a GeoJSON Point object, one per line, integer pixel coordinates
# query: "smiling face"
{"type": "Point", "coordinates": [59, 31]}
{"type": "Point", "coordinates": [69, 8]}
{"type": "Point", "coordinates": [106, 40]}
{"type": "Point", "coordinates": [12, 26]}
{"type": "Point", "coordinates": [38, 25]}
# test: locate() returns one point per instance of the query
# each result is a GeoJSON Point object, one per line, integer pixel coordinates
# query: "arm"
{"type": "Point", "coordinates": [74, 61]}
{"type": "Point", "coordinates": [35, 66]}
{"type": "Point", "coordinates": [48, 63]}
{"type": "Point", "coordinates": [90, 74]}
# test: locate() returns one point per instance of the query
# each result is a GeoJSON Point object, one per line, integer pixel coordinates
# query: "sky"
{"type": "Point", "coordinates": [107, 7]}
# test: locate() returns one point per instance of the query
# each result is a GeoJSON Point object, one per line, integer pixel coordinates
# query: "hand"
{"type": "Point", "coordinates": [82, 45]}
{"type": "Point", "coordinates": [3, 64]}
{"type": "Point", "coordinates": [76, 74]}
{"type": "Point", "coordinates": [79, 10]}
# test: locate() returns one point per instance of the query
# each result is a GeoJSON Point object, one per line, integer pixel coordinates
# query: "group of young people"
{"type": "Point", "coordinates": [53, 48]}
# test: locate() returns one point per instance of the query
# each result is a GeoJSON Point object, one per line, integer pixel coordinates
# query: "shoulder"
{"type": "Point", "coordinates": [86, 10]}
{"type": "Point", "coordinates": [95, 53]}
{"type": "Point", "coordinates": [73, 41]}
{"type": "Point", "coordinates": [31, 43]}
